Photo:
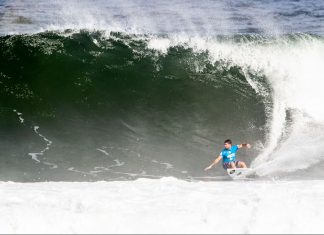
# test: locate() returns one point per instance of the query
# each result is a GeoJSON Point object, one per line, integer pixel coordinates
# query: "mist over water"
{"type": "Point", "coordinates": [120, 90]}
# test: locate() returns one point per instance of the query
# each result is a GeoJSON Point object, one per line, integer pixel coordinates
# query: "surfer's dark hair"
{"type": "Point", "coordinates": [228, 141]}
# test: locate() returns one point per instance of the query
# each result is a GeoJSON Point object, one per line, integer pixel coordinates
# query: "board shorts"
{"type": "Point", "coordinates": [227, 165]}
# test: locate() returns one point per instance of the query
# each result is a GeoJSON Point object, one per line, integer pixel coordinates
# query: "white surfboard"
{"type": "Point", "coordinates": [239, 173]}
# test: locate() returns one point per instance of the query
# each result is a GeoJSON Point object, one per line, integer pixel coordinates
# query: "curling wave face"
{"type": "Point", "coordinates": [85, 105]}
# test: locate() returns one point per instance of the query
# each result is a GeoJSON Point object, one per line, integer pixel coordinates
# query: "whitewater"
{"type": "Point", "coordinates": [110, 111]}
{"type": "Point", "coordinates": [160, 206]}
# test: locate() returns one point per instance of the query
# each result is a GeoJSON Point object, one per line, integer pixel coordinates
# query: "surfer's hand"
{"type": "Point", "coordinates": [207, 168]}
{"type": "Point", "coordinates": [248, 146]}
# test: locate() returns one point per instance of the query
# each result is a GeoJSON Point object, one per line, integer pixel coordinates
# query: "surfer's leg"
{"type": "Point", "coordinates": [232, 165]}
{"type": "Point", "coordinates": [241, 164]}
{"type": "Point", "coordinates": [229, 165]}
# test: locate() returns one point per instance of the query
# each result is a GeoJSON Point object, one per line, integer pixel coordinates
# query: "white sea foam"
{"type": "Point", "coordinates": [35, 156]}
{"type": "Point", "coordinates": [21, 119]}
{"type": "Point", "coordinates": [167, 205]}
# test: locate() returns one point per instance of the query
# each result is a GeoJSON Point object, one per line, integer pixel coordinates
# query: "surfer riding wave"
{"type": "Point", "coordinates": [228, 155]}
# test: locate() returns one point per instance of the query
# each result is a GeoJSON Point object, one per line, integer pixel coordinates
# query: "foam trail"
{"type": "Point", "coordinates": [48, 144]}
{"type": "Point", "coordinates": [100, 169]}
{"type": "Point", "coordinates": [21, 119]}
{"type": "Point", "coordinates": [35, 156]}
{"type": "Point", "coordinates": [103, 151]}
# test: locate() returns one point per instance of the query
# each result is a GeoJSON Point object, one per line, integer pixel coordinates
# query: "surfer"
{"type": "Point", "coordinates": [228, 154]}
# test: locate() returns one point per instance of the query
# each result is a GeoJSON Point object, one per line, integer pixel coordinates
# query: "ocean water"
{"type": "Point", "coordinates": [113, 101]}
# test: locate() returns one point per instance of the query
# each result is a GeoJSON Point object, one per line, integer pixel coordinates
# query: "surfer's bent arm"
{"type": "Point", "coordinates": [244, 145]}
{"type": "Point", "coordinates": [214, 163]}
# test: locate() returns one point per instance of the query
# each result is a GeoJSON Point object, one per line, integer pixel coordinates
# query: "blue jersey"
{"type": "Point", "coordinates": [229, 155]}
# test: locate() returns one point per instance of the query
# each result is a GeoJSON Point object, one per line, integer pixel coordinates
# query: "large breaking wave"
{"type": "Point", "coordinates": [92, 105]}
